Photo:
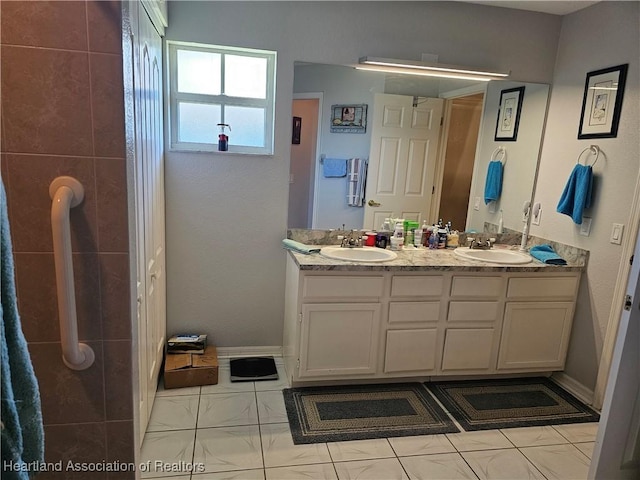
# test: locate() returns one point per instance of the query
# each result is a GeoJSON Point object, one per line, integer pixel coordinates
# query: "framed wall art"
{"type": "Point", "coordinates": [349, 118]}
{"type": "Point", "coordinates": [602, 102]}
{"type": "Point", "coordinates": [509, 114]}
{"type": "Point", "coordinates": [296, 130]}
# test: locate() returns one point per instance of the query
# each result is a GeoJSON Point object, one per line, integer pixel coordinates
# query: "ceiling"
{"type": "Point", "coordinates": [558, 7]}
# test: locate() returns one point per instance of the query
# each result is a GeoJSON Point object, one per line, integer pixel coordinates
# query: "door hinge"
{"type": "Point", "coordinates": [433, 189]}
{"type": "Point", "coordinates": [299, 318]}
{"type": "Point", "coordinates": [441, 121]}
{"type": "Point", "coordinates": [298, 363]}
{"type": "Point", "coordinates": [628, 301]}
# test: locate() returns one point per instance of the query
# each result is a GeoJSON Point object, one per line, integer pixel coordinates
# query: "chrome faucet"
{"type": "Point", "coordinates": [353, 239]}
{"type": "Point", "coordinates": [479, 244]}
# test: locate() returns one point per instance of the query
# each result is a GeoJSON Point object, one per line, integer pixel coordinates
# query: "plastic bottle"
{"type": "Point", "coordinates": [442, 238]}
{"type": "Point", "coordinates": [433, 238]}
{"type": "Point", "coordinates": [417, 237]}
{"type": "Point", "coordinates": [399, 233]}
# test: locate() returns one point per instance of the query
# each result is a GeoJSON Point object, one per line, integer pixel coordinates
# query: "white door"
{"type": "Point", "coordinates": [404, 146]}
{"type": "Point", "coordinates": [149, 195]}
{"type": "Point", "coordinates": [617, 450]}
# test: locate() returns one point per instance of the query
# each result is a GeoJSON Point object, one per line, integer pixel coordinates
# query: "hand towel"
{"type": "Point", "coordinates": [300, 247]}
{"type": "Point", "coordinates": [22, 433]}
{"type": "Point", "coordinates": [577, 193]}
{"type": "Point", "coordinates": [357, 178]}
{"type": "Point", "coordinates": [493, 183]}
{"type": "Point", "coordinates": [546, 254]}
{"type": "Point", "coordinates": [334, 167]}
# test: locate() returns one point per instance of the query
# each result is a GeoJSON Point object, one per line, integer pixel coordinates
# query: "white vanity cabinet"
{"type": "Point", "coordinates": [372, 324]}
{"type": "Point", "coordinates": [537, 322]}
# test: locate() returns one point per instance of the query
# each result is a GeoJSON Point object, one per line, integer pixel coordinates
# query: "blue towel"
{"type": "Point", "coordinates": [300, 247]}
{"type": "Point", "coordinates": [493, 183]}
{"type": "Point", "coordinates": [334, 167]}
{"type": "Point", "coordinates": [547, 255]}
{"type": "Point", "coordinates": [577, 193]}
{"type": "Point", "coordinates": [22, 434]}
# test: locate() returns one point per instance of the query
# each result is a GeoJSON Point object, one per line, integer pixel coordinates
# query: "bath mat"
{"type": "Point", "coordinates": [524, 402]}
{"type": "Point", "coordinates": [335, 414]}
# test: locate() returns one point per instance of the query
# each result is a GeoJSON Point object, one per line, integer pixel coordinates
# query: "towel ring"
{"type": "Point", "coordinates": [594, 149]}
{"type": "Point", "coordinates": [497, 152]}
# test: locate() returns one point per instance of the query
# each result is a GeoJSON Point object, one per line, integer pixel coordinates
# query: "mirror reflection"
{"type": "Point", "coordinates": [419, 167]}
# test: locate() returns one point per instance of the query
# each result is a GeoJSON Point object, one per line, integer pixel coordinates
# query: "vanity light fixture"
{"type": "Point", "coordinates": [409, 67]}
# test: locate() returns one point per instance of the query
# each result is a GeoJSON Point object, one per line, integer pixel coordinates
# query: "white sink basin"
{"type": "Point", "coordinates": [364, 254]}
{"type": "Point", "coordinates": [493, 255]}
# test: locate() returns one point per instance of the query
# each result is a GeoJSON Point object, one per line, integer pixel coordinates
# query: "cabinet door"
{"type": "Point", "coordinates": [411, 351]}
{"type": "Point", "coordinates": [468, 349]}
{"type": "Point", "coordinates": [339, 339]}
{"type": "Point", "coordinates": [535, 335]}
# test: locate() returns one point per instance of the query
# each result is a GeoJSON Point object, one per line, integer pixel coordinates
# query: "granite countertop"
{"type": "Point", "coordinates": [429, 260]}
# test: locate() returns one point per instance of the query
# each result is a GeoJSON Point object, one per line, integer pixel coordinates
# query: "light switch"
{"type": "Point", "coordinates": [616, 233]}
{"type": "Point", "coordinates": [585, 227]}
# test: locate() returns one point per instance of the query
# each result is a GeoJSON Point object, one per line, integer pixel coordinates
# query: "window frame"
{"type": "Point", "coordinates": [175, 97]}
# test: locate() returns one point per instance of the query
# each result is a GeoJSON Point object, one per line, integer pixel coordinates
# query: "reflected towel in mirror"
{"type": "Point", "coordinates": [493, 183]}
{"type": "Point", "coordinates": [357, 181]}
{"type": "Point", "coordinates": [334, 167]}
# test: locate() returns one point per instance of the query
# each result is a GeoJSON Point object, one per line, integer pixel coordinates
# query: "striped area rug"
{"type": "Point", "coordinates": [334, 414]}
{"type": "Point", "coordinates": [523, 402]}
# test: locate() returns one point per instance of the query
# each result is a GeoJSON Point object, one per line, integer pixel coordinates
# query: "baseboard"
{"type": "Point", "coordinates": [574, 387]}
{"type": "Point", "coordinates": [266, 351]}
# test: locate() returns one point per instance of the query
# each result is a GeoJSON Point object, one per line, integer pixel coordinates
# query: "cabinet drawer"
{"type": "Point", "coordinates": [342, 287]}
{"type": "Point", "coordinates": [473, 311]}
{"type": "Point", "coordinates": [410, 350]}
{"type": "Point", "coordinates": [467, 349]}
{"type": "Point", "coordinates": [416, 286]}
{"type": "Point", "coordinates": [477, 286]}
{"type": "Point", "coordinates": [400, 312]}
{"type": "Point", "coordinates": [548, 287]}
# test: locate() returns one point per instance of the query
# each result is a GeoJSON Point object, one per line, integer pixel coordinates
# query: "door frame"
{"type": "Point", "coordinates": [314, 96]}
{"type": "Point", "coordinates": [615, 315]}
{"type": "Point", "coordinates": [444, 134]}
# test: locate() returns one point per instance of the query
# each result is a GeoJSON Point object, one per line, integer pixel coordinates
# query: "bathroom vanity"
{"type": "Point", "coordinates": [425, 314]}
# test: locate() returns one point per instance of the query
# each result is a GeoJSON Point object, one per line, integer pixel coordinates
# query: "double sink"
{"type": "Point", "coordinates": [375, 255]}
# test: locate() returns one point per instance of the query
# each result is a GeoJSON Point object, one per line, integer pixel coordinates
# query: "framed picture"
{"type": "Point", "coordinates": [509, 114]}
{"type": "Point", "coordinates": [295, 132]}
{"type": "Point", "coordinates": [602, 102]}
{"type": "Point", "coordinates": [349, 118]}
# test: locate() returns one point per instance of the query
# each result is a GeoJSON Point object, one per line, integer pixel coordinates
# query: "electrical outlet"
{"type": "Point", "coordinates": [537, 213]}
{"type": "Point", "coordinates": [476, 204]}
{"type": "Point", "coordinates": [585, 227]}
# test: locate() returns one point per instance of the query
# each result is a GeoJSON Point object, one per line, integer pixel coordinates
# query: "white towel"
{"type": "Point", "coordinates": [357, 178]}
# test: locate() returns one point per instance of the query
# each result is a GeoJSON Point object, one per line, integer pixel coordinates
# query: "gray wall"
{"type": "Point", "coordinates": [601, 36]}
{"type": "Point", "coordinates": [226, 214]}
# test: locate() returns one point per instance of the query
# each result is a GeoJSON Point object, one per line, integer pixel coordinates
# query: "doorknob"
{"type": "Point", "coordinates": [373, 203]}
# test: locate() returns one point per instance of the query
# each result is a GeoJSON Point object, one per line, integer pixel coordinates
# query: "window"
{"type": "Point", "coordinates": [210, 84]}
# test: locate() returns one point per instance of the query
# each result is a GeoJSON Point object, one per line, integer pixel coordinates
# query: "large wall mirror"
{"type": "Point", "coordinates": [445, 170]}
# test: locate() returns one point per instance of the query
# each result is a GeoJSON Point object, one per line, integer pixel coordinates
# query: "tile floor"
{"type": "Point", "coordinates": [240, 431]}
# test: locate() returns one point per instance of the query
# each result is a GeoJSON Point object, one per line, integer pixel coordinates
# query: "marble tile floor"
{"type": "Point", "coordinates": [240, 431]}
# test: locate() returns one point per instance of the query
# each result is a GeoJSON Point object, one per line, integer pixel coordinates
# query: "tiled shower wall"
{"type": "Point", "coordinates": [62, 112]}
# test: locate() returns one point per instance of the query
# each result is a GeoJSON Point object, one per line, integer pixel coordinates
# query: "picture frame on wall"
{"type": "Point", "coordinates": [349, 118]}
{"type": "Point", "coordinates": [509, 114]}
{"type": "Point", "coordinates": [602, 102]}
{"type": "Point", "coordinates": [296, 130]}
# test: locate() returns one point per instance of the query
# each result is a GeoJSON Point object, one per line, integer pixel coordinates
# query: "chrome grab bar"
{"type": "Point", "coordinates": [66, 193]}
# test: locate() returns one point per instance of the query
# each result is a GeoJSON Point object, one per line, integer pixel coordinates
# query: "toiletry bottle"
{"type": "Point", "coordinates": [425, 233]}
{"type": "Point", "coordinates": [500, 223]}
{"type": "Point", "coordinates": [442, 238]}
{"type": "Point", "coordinates": [433, 238]}
{"type": "Point", "coordinates": [399, 233]}
{"type": "Point", "coordinates": [417, 237]}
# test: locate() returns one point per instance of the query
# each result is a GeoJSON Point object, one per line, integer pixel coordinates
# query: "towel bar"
{"type": "Point", "coordinates": [66, 193]}
{"type": "Point", "coordinates": [594, 149]}
{"type": "Point", "coordinates": [497, 152]}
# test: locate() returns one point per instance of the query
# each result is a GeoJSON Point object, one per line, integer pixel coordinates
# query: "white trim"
{"type": "Point", "coordinates": [574, 387]}
{"type": "Point", "coordinates": [266, 351]}
{"type": "Point", "coordinates": [320, 97]}
{"type": "Point", "coordinates": [465, 91]}
{"type": "Point", "coordinates": [628, 248]}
